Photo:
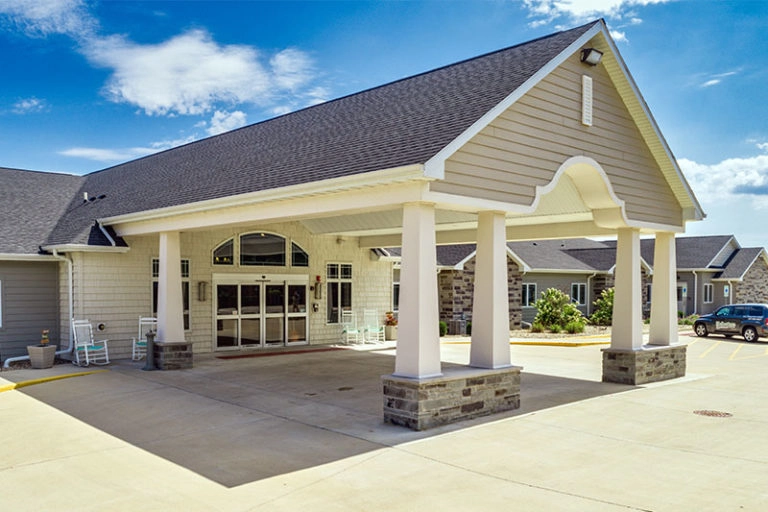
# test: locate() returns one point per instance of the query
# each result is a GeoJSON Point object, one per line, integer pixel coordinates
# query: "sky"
{"type": "Point", "coordinates": [85, 85]}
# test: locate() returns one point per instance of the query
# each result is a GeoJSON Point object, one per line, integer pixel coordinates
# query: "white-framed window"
{"type": "Point", "coordinates": [709, 292]}
{"type": "Point", "coordinates": [338, 277]}
{"type": "Point", "coordinates": [1, 304]}
{"type": "Point", "coordinates": [395, 290]}
{"type": "Point", "coordinates": [260, 249]}
{"type": "Point", "coordinates": [529, 294]}
{"type": "Point", "coordinates": [185, 288]}
{"type": "Point", "coordinates": [579, 293]}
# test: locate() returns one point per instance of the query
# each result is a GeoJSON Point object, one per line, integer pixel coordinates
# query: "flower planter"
{"type": "Point", "coordinates": [390, 332]}
{"type": "Point", "coordinates": [41, 356]}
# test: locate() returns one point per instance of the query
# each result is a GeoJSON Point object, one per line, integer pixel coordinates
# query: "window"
{"type": "Point", "coordinates": [708, 293]}
{"type": "Point", "coordinates": [396, 290]}
{"type": "Point", "coordinates": [1, 304]}
{"type": "Point", "coordinates": [224, 254]}
{"type": "Point", "coordinates": [299, 257]}
{"type": "Point", "coordinates": [262, 249]}
{"type": "Point", "coordinates": [259, 249]}
{"type": "Point", "coordinates": [529, 294]}
{"type": "Point", "coordinates": [339, 278]}
{"type": "Point", "coordinates": [184, 288]}
{"type": "Point", "coordinates": [579, 293]}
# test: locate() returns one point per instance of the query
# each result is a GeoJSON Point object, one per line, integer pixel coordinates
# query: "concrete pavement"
{"type": "Point", "coordinates": [304, 432]}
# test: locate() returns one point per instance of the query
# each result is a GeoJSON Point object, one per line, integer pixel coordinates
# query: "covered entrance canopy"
{"type": "Point", "coordinates": [524, 143]}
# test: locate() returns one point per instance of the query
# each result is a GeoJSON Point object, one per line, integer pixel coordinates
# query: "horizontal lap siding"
{"type": "Point", "coordinates": [30, 303]}
{"type": "Point", "coordinates": [524, 147]}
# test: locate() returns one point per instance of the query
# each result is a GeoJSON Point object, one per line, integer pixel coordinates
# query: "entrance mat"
{"type": "Point", "coordinates": [280, 353]}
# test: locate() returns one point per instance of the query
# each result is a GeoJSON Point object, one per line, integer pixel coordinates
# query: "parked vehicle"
{"type": "Point", "coordinates": [749, 320]}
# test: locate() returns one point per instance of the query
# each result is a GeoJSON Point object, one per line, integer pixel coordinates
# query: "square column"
{"type": "Point", "coordinates": [170, 305]}
{"type": "Point", "coordinates": [664, 291]}
{"type": "Point", "coordinates": [490, 305]}
{"type": "Point", "coordinates": [418, 344]}
{"type": "Point", "coordinates": [627, 330]}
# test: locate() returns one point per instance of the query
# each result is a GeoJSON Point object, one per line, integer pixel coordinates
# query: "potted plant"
{"type": "Point", "coordinates": [390, 326]}
{"type": "Point", "coordinates": [42, 355]}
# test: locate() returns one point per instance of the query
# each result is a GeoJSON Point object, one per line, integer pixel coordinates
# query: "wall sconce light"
{"type": "Point", "coordinates": [201, 295]}
{"type": "Point", "coordinates": [591, 56]}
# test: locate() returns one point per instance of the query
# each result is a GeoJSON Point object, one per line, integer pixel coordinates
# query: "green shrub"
{"type": "Point", "coordinates": [575, 326]}
{"type": "Point", "coordinates": [537, 327]}
{"type": "Point", "coordinates": [555, 309]}
{"type": "Point", "coordinates": [469, 328]}
{"type": "Point", "coordinates": [603, 314]}
{"type": "Point", "coordinates": [443, 328]}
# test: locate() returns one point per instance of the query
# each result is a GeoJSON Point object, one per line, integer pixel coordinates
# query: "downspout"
{"type": "Point", "coordinates": [589, 293]}
{"type": "Point", "coordinates": [70, 300]}
{"type": "Point", "coordinates": [730, 292]}
{"type": "Point", "coordinates": [695, 292]}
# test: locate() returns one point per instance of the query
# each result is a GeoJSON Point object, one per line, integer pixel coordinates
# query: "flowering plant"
{"type": "Point", "coordinates": [44, 338]}
{"type": "Point", "coordinates": [390, 318]}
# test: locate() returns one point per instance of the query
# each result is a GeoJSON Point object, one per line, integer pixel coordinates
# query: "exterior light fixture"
{"type": "Point", "coordinates": [591, 56]}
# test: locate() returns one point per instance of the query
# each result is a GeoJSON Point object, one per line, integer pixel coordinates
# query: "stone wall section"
{"type": "Point", "coordinates": [635, 367]}
{"type": "Point", "coordinates": [458, 395]}
{"type": "Point", "coordinates": [754, 287]}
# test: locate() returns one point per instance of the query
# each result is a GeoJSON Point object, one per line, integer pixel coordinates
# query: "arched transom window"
{"type": "Point", "coordinates": [260, 249]}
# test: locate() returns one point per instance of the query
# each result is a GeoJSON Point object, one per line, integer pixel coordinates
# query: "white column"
{"type": "Point", "coordinates": [490, 305]}
{"type": "Point", "coordinates": [627, 331]}
{"type": "Point", "coordinates": [418, 344]}
{"type": "Point", "coordinates": [664, 291]}
{"type": "Point", "coordinates": [170, 306]}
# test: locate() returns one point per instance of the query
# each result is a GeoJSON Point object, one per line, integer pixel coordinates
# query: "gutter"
{"type": "Point", "coordinates": [70, 300]}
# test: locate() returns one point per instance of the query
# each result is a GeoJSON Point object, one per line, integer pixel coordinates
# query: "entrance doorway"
{"type": "Point", "coordinates": [260, 311]}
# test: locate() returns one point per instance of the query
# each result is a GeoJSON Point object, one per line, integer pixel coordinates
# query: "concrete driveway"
{"type": "Point", "coordinates": [304, 431]}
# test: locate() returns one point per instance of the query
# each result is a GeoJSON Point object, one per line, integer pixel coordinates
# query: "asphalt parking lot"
{"type": "Point", "coordinates": [304, 431]}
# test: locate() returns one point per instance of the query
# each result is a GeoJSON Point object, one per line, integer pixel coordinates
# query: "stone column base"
{"type": "Point", "coordinates": [650, 364]}
{"type": "Point", "coordinates": [459, 394]}
{"type": "Point", "coordinates": [173, 355]}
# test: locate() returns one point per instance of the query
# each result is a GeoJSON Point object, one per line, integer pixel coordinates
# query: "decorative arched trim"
{"type": "Point", "coordinates": [595, 189]}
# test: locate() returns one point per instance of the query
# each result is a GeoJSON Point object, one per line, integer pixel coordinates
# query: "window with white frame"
{"type": "Point", "coordinates": [185, 289]}
{"type": "Point", "coordinates": [1, 304]}
{"type": "Point", "coordinates": [709, 291]}
{"type": "Point", "coordinates": [338, 277]}
{"type": "Point", "coordinates": [529, 294]}
{"type": "Point", "coordinates": [260, 249]}
{"type": "Point", "coordinates": [579, 293]}
{"type": "Point", "coordinates": [395, 290]}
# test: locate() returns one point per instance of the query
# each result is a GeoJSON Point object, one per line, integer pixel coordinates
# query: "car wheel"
{"type": "Point", "coordinates": [700, 330]}
{"type": "Point", "coordinates": [750, 334]}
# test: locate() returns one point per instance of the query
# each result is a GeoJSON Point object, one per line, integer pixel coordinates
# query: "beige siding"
{"type": "Point", "coordinates": [524, 147]}
{"type": "Point", "coordinates": [115, 289]}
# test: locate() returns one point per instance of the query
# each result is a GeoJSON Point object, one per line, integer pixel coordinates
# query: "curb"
{"type": "Point", "coordinates": [32, 382]}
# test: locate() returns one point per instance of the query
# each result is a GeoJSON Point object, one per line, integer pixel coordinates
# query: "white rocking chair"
{"type": "Point", "coordinates": [87, 350]}
{"type": "Point", "coordinates": [374, 331]}
{"type": "Point", "coordinates": [350, 333]}
{"type": "Point", "coordinates": [146, 324]}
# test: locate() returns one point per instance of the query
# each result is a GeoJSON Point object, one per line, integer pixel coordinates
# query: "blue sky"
{"type": "Point", "coordinates": [86, 85]}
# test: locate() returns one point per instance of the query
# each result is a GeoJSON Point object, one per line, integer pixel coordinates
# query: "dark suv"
{"type": "Point", "coordinates": [749, 320]}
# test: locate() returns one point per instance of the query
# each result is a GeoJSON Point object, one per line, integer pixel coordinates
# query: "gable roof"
{"type": "Point", "coordinates": [31, 204]}
{"type": "Point", "coordinates": [693, 252]}
{"type": "Point", "coordinates": [403, 123]}
{"type": "Point", "coordinates": [578, 254]}
{"type": "Point", "coordinates": [741, 262]}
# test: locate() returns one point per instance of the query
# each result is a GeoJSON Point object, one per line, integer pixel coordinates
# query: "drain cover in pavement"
{"type": "Point", "coordinates": [714, 414]}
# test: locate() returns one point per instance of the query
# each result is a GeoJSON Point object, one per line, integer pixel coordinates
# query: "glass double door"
{"type": "Point", "coordinates": [261, 314]}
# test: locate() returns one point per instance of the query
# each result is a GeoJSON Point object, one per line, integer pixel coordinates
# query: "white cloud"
{"type": "Point", "coordinates": [41, 18]}
{"type": "Point", "coordinates": [619, 37]}
{"type": "Point", "coordinates": [187, 74]}
{"type": "Point", "coordinates": [579, 11]}
{"type": "Point", "coordinates": [115, 155]}
{"type": "Point", "coordinates": [291, 68]}
{"type": "Point", "coordinates": [717, 78]}
{"type": "Point", "coordinates": [225, 121]}
{"type": "Point", "coordinates": [29, 106]}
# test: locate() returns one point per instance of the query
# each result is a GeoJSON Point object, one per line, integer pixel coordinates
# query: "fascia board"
{"type": "Point", "coordinates": [85, 248]}
{"type": "Point", "coordinates": [368, 179]}
{"type": "Point", "coordinates": [435, 166]}
{"type": "Point", "coordinates": [27, 257]}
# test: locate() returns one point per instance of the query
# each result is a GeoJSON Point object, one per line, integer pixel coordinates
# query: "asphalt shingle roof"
{"type": "Point", "coordinates": [401, 123]}
{"type": "Point", "coordinates": [31, 204]}
{"type": "Point", "coordinates": [572, 254]}
{"type": "Point", "coordinates": [692, 251]}
{"type": "Point", "coordinates": [739, 263]}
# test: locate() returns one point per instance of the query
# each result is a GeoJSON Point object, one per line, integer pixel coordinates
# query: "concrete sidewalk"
{"type": "Point", "coordinates": [304, 432]}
